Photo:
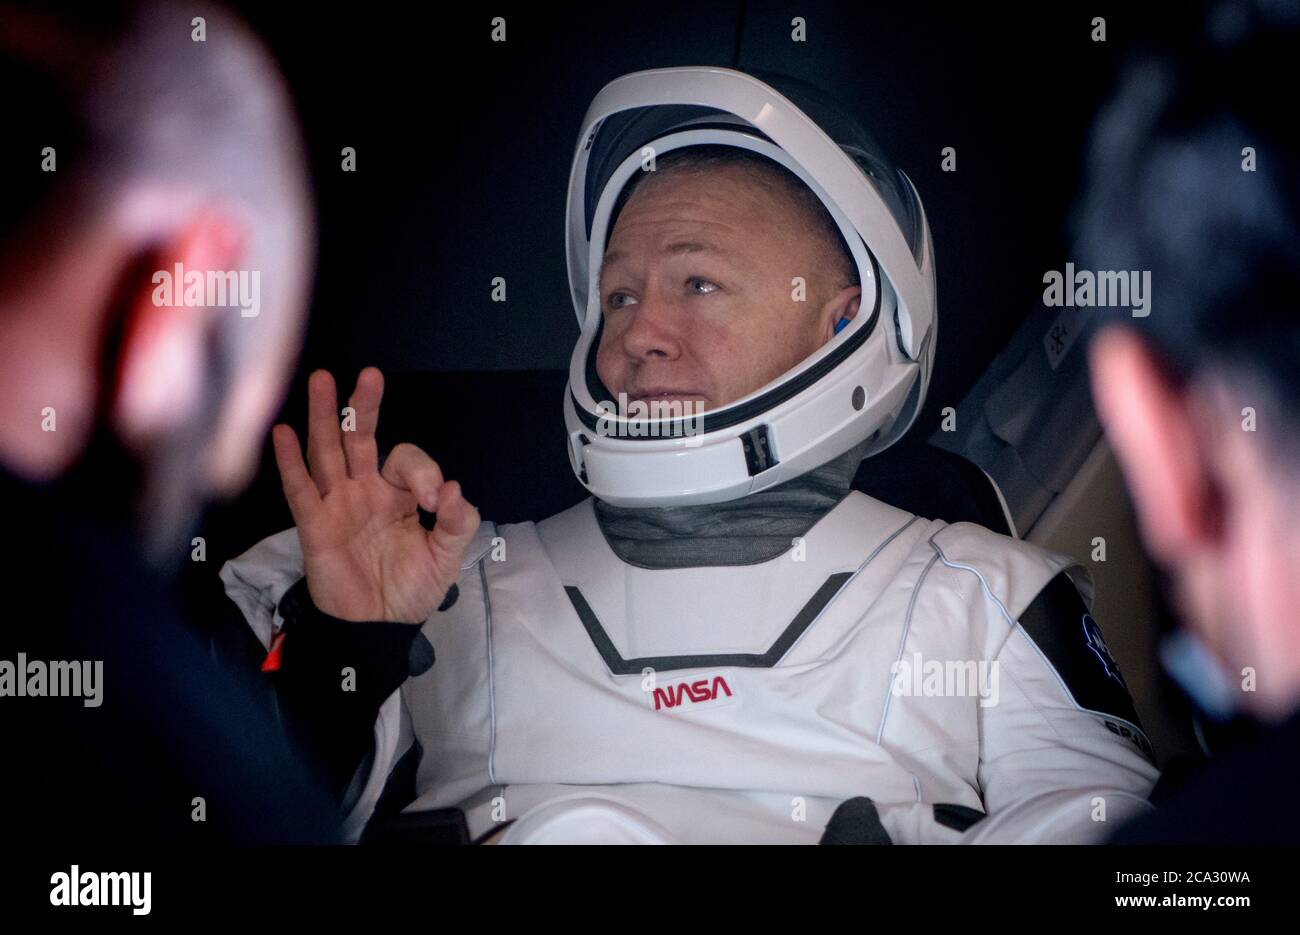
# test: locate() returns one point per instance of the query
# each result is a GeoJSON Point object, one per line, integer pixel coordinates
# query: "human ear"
{"type": "Point", "coordinates": [842, 307]}
{"type": "Point", "coordinates": [162, 351]}
{"type": "Point", "coordinates": [1150, 426]}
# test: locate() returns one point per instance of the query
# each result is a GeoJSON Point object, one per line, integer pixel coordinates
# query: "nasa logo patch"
{"type": "Point", "coordinates": [1092, 636]}
{"type": "Point", "coordinates": [1054, 621]}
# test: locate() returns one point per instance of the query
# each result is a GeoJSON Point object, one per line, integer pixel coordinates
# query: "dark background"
{"type": "Point", "coordinates": [463, 154]}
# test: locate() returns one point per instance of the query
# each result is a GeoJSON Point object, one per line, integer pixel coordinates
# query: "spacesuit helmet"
{"type": "Point", "coordinates": [867, 383]}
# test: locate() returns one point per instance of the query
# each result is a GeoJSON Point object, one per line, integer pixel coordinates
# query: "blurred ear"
{"type": "Point", "coordinates": [159, 372]}
{"type": "Point", "coordinates": [1149, 422]}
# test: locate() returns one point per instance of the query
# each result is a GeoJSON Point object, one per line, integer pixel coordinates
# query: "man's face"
{"type": "Point", "coordinates": [697, 288]}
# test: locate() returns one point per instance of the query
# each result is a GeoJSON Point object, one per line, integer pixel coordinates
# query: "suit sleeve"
{"type": "Point", "coordinates": [357, 732]}
{"type": "Point", "coordinates": [334, 676]}
{"type": "Point", "coordinates": [1063, 758]}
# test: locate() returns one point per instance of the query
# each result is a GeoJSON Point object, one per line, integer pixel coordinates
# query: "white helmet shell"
{"type": "Point", "coordinates": [869, 381]}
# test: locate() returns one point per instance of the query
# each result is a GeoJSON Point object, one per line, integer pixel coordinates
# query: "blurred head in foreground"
{"type": "Point", "coordinates": [155, 254]}
{"type": "Point", "coordinates": [1194, 177]}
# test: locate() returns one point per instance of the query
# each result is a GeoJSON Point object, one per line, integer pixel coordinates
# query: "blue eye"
{"type": "Point", "coordinates": [695, 279]}
{"type": "Point", "coordinates": [615, 295]}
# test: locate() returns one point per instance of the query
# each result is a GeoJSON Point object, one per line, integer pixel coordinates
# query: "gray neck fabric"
{"type": "Point", "coordinates": [751, 529]}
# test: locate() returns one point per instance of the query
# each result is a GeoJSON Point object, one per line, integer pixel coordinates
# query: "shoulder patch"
{"type": "Point", "coordinates": [1059, 624]}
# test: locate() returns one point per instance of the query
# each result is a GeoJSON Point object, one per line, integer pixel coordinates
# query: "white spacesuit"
{"type": "Point", "coordinates": [945, 681]}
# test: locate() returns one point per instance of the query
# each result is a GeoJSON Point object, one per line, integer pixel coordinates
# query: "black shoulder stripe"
{"type": "Point", "coordinates": [1058, 622]}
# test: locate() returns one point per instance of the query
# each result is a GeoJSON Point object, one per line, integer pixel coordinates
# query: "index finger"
{"type": "Point", "coordinates": [299, 489]}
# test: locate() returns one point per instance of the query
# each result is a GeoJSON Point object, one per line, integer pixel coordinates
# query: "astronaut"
{"type": "Point", "coordinates": [720, 644]}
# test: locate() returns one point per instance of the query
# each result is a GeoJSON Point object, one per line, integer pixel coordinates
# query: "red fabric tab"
{"type": "Point", "coordinates": [272, 661]}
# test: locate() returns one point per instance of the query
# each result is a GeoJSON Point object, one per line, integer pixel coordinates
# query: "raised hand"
{"type": "Point", "coordinates": [366, 555]}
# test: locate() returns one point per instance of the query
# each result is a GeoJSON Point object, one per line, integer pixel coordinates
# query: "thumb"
{"type": "Point", "coordinates": [456, 523]}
